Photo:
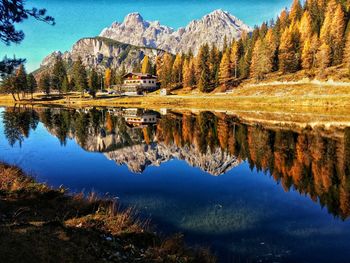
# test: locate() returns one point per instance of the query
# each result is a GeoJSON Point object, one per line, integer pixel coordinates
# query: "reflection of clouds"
{"type": "Point", "coordinates": [216, 219]}
{"type": "Point", "coordinates": [311, 231]}
{"type": "Point", "coordinates": [201, 218]}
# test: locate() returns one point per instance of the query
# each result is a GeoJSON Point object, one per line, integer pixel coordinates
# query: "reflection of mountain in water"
{"type": "Point", "coordinates": [314, 161]}
{"type": "Point", "coordinates": [138, 157]}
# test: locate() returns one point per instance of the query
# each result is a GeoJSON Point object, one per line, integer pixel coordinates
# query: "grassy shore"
{"type": "Point", "coordinates": [274, 101]}
{"type": "Point", "coordinates": [40, 224]}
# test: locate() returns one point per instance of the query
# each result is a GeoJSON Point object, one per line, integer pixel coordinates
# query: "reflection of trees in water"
{"type": "Point", "coordinates": [311, 161]}
{"type": "Point", "coordinates": [315, 161]}
{"type": "Point", "coordinates": [17, 124]}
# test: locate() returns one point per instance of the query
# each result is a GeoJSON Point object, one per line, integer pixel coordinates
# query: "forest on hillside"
{"type": "Point", "coordinates": [310, 37]}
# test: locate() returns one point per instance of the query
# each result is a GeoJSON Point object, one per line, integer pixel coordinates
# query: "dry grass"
{"type": "Point", "coordinates": [39, 224]}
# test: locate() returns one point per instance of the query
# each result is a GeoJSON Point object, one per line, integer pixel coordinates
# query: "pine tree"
{"type": "Point", "coordinates": [295, 11]}
{"type": "Point", "coordinates": [324, 56]}
{"type": "Point", "coordinates": [93, 83]}
{"type": "Point", "coordinates": [8, 85]}
{"type": "Point", "coordinates": [284, 20]}
{"type": "Point", "coordinates": [338, 29]}
{"type": "Point", "coordinates": [66, 87]}
{"type": "Point", "coordinates": [79, 76]}
{"type": "Point", "coordinates": [177, 69]}
{"type": "Point", "coordinates": [225, 69]}
{"type": "Point", "coordinates": [164, 68]}
{"type": "Point", "coordinates": [203, 69]}
{"type": "Point", "coordinates": [261, 60]}
{"type": "Point", "coordinates": [31, 84]}
{"type": "Point", "coordinates": [235, 55]}
{"type": "Point", "coordinates": [21, 80]}
{"type": "Point", "coordinates": [305, 27]}
{"type": "Point", "coordinates": [214, 65]}
{"type": "Point", "coordinates": [289, 57]}
{"type": "Point", "coordinates": [45, 83]}
{"type": "Point", "coordinates": [332, 31]}
{"type": "Point", "coordinates": [346, 57]}
{"type": "Point", "coordinates": [120, 75]}
{"type": "Point", "coordinates": [272, 44]}
{"type": "Point", "coordinates": [146, 66]}
{"type": "Point", "coordinates": [58, 74]}
{"type": "Point", "coordinates": [185, 73]}
{"type": "Point", "coordinates": [306, 55]}
{"type": "Point", "coordinates": [189, 79]}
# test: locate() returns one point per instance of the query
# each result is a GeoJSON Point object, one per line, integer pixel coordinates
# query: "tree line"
{"type": "Point", "coordinates": [310, 36]}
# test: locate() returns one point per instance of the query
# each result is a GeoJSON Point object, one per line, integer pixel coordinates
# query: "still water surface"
{"type": "Point", "coordinates": [250, 192]}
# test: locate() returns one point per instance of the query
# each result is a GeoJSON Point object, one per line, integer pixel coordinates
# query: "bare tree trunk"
{"type": "Point", "coordinates": [13, 96]}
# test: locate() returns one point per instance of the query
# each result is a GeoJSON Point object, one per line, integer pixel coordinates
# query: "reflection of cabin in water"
{"type": "Point", "coordinates": [139, 117]}
{"type": "Point", "coordinates": [138, 84]}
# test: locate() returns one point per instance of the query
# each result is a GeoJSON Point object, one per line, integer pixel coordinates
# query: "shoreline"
{"type": "Point", "coordinates": [52, 225]}
{"type": "Point", "coordinates": [284, 103]}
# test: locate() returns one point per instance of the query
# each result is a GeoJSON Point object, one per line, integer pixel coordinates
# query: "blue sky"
{"type": "Point", "coordinates": [84, 18]}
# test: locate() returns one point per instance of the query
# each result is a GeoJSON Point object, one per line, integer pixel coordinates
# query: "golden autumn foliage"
{"type": "Point", "coordinates": [108, 78]}
{"type": "Point", "coordinates": [225, 68]}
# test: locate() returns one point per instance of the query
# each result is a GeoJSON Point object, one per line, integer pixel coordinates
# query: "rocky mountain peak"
{"type": "Point", "coordinates": [209, 29]}
{"type": "Point", "coordinates": [133, 18]}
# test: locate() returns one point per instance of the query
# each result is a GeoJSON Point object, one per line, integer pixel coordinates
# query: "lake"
{"type": "Point", "coordinates": [249, 191]}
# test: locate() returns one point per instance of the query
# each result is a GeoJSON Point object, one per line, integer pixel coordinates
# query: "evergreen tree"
{"type": "Point", "coordinates": [164, 68]}
{"type": "Point", "coordinates": [58, 75]}
{"type": "Point", "coordinates": [93, 83]}
{"type": "Point", "coordinates": [31, 84]}
{"type": "Point", "coordinates": [308, 56]}
{"type": "Point", "coordinates": [261, 60]}
{"type": "Point", "coordinates": [177, 69]}
{"type": "Point", "coordinates": [66, 87]}
{"type": "Point", "coordinates": [21, 81]}
{"type": "Point", "coordinates": [203, 69]}
{"type": "Point", "coordinates": [189, 79]}
{"type": "Point", "coordinates": [45, 84]}
{"type": "Point", "coordinates": [120, 75]}
{"type": "Point", "coordinates": [79, 76]}
{"type": "Point", "coordinates": [8, 84]}
{"type": "Point", "coordinates": [214, 65]}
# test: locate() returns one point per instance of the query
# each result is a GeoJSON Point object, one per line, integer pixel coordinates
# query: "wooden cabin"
{"type": "Point", "coordinates": [138, 84]}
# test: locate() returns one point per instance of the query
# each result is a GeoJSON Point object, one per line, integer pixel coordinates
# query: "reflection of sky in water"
{"type": "Point", "coordinates": [243, 211]}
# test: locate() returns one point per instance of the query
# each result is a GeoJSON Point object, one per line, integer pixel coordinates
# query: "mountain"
{"type": "Point", "coordinates": [100, 52]}
{"type": "Point", "coordinates": [210, 29]}
{"type": "Point", "coordinates": [127, 43]}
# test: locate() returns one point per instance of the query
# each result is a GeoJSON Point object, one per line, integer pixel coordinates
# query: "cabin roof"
{"type": "Point", "coordinates": [140, 75]}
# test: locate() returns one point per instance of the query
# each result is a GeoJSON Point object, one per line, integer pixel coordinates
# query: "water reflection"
{"type": "Point", "coordinates": [314, 161]}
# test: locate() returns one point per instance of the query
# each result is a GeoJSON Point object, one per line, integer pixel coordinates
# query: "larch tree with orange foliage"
{"type": "Point", "coordinates": [108, 78]}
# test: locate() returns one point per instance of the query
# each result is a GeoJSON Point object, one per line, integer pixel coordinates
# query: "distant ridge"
{"type": "Point", "coordinates": [127, 43]}
{"type": "Point", "coordinates": [209, 29]}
